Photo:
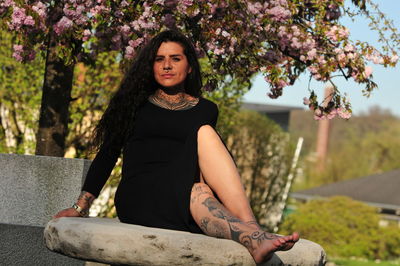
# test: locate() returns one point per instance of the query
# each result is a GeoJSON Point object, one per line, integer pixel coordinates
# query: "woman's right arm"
{"type": "Point", "coordinates": [84, 202]}
{"type": "Point", "coordinates": [98, 173]}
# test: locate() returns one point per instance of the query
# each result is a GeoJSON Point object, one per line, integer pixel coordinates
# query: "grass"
{"type": "Point", "coordinates": [364, 262]}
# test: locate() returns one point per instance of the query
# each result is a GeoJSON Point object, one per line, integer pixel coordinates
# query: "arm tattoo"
{"type": "Point", "coordinates": [86, 197]}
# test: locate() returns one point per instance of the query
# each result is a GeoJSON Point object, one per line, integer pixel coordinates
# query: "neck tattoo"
{"type": "Point", "coordinates": [179, 101]}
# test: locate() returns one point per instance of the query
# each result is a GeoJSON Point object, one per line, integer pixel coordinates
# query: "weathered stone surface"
{"type": "Point", "coordinates": [33, 188]}
{"type": "Point", "coordinates": [22, 245]}
{"type": "Point", "coordinates": [109, 241]}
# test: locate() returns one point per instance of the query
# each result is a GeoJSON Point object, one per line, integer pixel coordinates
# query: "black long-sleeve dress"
{"type": "Point", "coordinates": [160, 165]}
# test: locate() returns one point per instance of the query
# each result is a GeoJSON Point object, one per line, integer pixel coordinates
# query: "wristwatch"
{"type": "Point", "coordinates": [82, 212]}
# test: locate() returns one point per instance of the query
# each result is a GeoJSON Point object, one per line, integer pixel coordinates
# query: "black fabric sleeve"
{"type": "Point", "coordinates": [100, 169]}
{"type": "Point", "coordinates": [214, 115]}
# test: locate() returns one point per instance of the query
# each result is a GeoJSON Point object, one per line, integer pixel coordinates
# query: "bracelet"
{"type": "Point", "coordinates": [82, 212]}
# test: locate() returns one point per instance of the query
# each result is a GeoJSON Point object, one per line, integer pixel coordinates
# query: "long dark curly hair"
{"type": "Point", "coordinates": [138, 83]}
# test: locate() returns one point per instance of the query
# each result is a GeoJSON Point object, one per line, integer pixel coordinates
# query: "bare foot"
{"type": "Point", "coordinates": [267, 245]}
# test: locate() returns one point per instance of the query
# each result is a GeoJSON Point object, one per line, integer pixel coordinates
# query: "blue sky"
{"type": "Point", "coordinates": [387, 96]}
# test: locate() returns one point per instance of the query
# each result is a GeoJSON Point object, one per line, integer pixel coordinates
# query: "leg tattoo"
{"type": "Point", "coordinates": [215, 220]}
{"type": "Point", "coordinates": [199, 191]}
{"type": "Point", "coordinates": [219, 211]}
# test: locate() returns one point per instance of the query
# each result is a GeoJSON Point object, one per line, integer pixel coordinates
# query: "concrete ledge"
{"type": "Point", "coordinates": [33, 188]}
{"type": "Point", "coordinates": [109, 241]}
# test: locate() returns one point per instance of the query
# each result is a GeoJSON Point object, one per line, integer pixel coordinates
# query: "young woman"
{"type": "Point", "coordinates": [177, 173]}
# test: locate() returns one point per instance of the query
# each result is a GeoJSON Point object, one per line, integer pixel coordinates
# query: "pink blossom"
{"type": "Point", "coordinates": [377, 59]}
{"type": "Point", "coordinates": [318, 115]}
{"type": "Point", "coordinates": [117, 42]}
{"type": "Point", "coordinates": [312, 54]}
{"type": "Point", "coordinates": [343, 113]}
{"type": "Point", "coordinates": [129, 52]}
{"type": "Point", "coordinates": [225, 33]}
{"type": "Point", "coordinates": [68, 11]}
{"type": "Point", "coordinates": [394, 59]}
{"type": "Point", "coordinates": [157, 2]}
{"type": "Point", "coordinates": [367, 71]}
{"type": "Point", "coordinates": [40, 9]}
{"type": "Point", "coordinates": [18, 48]}
{"type": "Point", "coordinates": [18, 17]}
{"type": "Point", "coordinates": [125, 30]}
{"type": "Point", "coordinates": [331, 34]}
{"type": "Point", "coordinates": [306, 101]}
{"type": "Point", "coordinates": [118, 14]}
{"type": "Point", "coordinates": [86, 35]}
{"type": "Point", "coordinates": [136, 43]}
{"type": "Point", "coordinates": [18, 52]}
{"type": "Point", "coordinates": [281, 83]}
{"type": "Point", "coordinates": [340, 57]}
{"type": "Point", "coordinates": [349, 48]}
{"type": "Point", "coordinates": [296, 31]}
{"type": "Point", "coordinates": [279, 13]}
{"type": "Point", "coordinates": [8, 3]}
{"type": "Point", "coordinates": [5, 5]}
{"type": "Point", "coordinates": [350, 56]}
{"type": "Point", "coordinates": [331, 114]}
{"type": "Point", "coordinates": [343, 32]}
{"type": "Point", "coordinates": [64, 24]}
{"type": "Point", "coordinates": [219, 51]}
{"type": "Point", "coordinates": [29, 21]}
{"type": "Point", "coordinates": [186, 2]}
{"type": "Point", "coordinates": [254, 8]}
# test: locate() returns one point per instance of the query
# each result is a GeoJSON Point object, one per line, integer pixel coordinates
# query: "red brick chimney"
{"type": "Point", "coordinates": [323, 133]}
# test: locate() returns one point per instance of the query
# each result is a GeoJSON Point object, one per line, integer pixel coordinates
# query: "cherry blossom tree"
{"type": "Point", "coordinates": [236, 38]}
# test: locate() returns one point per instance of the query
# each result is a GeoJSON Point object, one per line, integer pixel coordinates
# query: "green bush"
{"type": "Point", "coordinates": [345, 228]}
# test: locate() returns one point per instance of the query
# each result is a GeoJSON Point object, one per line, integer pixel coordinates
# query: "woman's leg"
{"type": "Point", "coordinates": [233, 219]}
{"type": "Point", "coordinates": [215, 220]}
{"type": "Point", "coordinates": [219, 172]}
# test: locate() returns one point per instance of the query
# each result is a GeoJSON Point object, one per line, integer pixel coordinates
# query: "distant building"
{"type": "Point", "coordinates": [380, 190]}
{"type": "Point", "coordinates": [278, 113]}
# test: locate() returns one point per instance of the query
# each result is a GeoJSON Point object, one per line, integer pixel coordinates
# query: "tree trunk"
{"type": "Point", "coordinates": [54, 114]}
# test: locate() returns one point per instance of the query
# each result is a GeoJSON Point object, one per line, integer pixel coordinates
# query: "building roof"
{"type": "Point", "coordinates": [269, 108]}
{"type": "Point", "coordinates": [380, 190]}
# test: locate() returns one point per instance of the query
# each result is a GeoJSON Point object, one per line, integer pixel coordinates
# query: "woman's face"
{"type": "Point", "coordinates": [171, 65]}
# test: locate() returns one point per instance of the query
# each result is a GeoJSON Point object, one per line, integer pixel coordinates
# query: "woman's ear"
{"type": "Point", "coordinates": [190, 70]}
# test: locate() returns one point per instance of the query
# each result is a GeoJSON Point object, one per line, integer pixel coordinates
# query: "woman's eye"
{"type": "Point", "coordinates": [176, 59]}
{"type": "Point", "coordinates": [159, 59]}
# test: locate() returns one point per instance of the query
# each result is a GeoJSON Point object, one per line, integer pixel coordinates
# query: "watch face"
{"type": "Point", "coordinates": [80, 210]}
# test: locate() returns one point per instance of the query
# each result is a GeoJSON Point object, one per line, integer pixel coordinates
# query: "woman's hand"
{"type": "Point", "coordinates": [69, 212]}
{"type": "Point", "coordinates": [85, 200]}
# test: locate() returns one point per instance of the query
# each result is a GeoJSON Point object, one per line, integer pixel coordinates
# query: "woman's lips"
{"type": "Point", "coordinates": [167, 76]}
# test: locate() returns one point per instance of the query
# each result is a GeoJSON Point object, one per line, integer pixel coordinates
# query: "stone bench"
{"type": "Point", "coordinates": [32, 189]}
{"type": "Point", "coordinates": [112, 242]}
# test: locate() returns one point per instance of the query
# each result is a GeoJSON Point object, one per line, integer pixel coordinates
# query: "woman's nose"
{"type": "Point", "coordinates": [167, 64]}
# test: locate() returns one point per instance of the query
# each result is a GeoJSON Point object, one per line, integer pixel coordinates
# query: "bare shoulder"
{"type": "Point", "coordinates": [207, 130]}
